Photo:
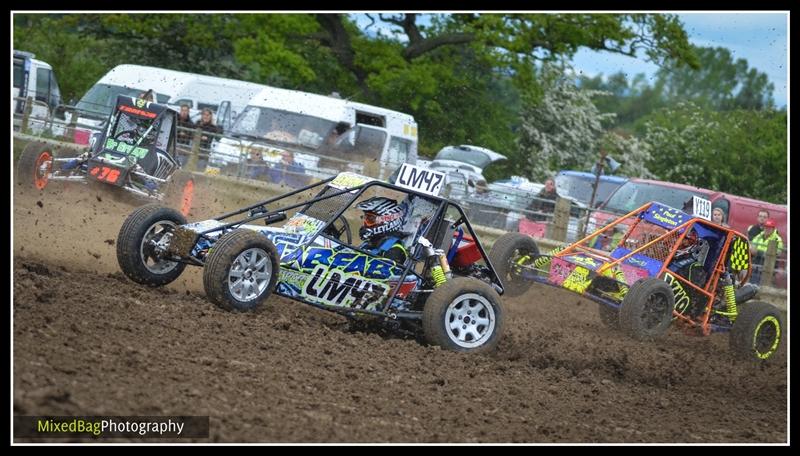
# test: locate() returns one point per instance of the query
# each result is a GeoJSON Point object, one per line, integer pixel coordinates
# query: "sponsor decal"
{"type": "Point", "coordinates": [632, 273]}
{"type": "Point", "coordinates": [585, 261]}
{"type": "Point", "coordinates": [663, 219]}
{"type": "Point", "coordinates": [578, 281]}
{"type": "Point", "coordinates": [303, 224]}
{"type": "Point", "coordinates": [664, 216]}
{"type": "Point", "coordinates": [337, 288]}
{"type": "Point", "coordinates": [348, 180]}
{"type": "Point", "coordinates": [139, 112]}
{"type": "Point", "coordinates": [682, 299]}
{"type": "Point", "coordinates": [125, 148]}
{"type": "Point", "coordinates": [349, 261]}
{"type": "Point", "coordinates": [559, 271]}
{"type": "Point", "coordinates": [636, 262]}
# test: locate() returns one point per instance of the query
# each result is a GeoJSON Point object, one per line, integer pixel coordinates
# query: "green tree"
{"type": "Point", "coordinates": [630, 100]}
{"type": "Point", "coordinates": [738, 151]}
{"type": "Point", "coordinates": [463, 76]}
{"type": "Point", "coordinates": [562, 130]}
{"type": "Point", "coordinates": [719, 82]}
{"type": "Point", "coordinates": [78, 62]}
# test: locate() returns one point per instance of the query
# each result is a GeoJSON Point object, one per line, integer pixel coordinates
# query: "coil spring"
{"type": "Point", "coordinates": [544, 259]}
{"type": "Point", "coordinates": [620, 276]}
{"type": "Point", "coordinates": [438, 275]}
{"type": "Point", "coordinates": [730, 299]}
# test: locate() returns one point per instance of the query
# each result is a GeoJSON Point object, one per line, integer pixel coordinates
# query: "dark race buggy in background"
{"type": "Point", "coordinates": [134, 153]}
{"type": "Point", "coordinates": [652, 267]}
{"type": "Point", "coordinates": [445, 290]}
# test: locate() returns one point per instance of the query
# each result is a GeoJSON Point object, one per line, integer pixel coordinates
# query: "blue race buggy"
{"type": "Point", "coordinates": [445, 290]}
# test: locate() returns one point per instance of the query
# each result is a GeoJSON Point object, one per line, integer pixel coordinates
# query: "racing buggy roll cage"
{"type": "Point", "coordinates": [638, 215]}
{"type": "Point", "coordinates": [114, 161]}
{"type": "Point", "coordinates": [258, 211]}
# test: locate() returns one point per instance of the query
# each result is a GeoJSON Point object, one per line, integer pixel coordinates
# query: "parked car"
{"type": "Point", "coordinates": [578, 185]}
{"type": "Point", "coordinates": [468, 160]}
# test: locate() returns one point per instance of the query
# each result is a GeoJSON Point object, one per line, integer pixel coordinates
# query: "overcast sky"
{"type": "Point", "coordinates": [760, 38]}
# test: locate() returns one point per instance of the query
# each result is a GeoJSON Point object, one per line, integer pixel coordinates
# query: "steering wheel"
{"type": "Point", "coordinates": [339, 227]}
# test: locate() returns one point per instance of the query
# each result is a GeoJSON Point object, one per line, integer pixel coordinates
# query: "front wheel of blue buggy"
{"type": "Point", "coordinates": [241, 270]}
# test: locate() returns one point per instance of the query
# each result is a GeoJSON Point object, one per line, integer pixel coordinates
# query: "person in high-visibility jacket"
{"type": "Point", "coordinates": [759, 245]}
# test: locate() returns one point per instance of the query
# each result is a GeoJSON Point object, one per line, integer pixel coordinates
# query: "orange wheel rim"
{"type": "Point", "coordinates": [186, 199]}
{"type": "Point", "coordinates": [40, 179]}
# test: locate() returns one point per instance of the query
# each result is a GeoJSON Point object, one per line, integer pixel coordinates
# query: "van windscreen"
{"type": "Point", "coordinates": [283, 126]}
{"type": "Point", "coordinates": [635, 194]}
{"type": "Point", "coordinates": [100, 99]}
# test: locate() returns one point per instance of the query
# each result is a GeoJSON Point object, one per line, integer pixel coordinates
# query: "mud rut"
{"type": "Point", "coordinates": [87, 341]}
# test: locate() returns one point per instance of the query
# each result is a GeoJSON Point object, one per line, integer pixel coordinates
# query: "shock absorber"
{"type": "Point", "coordinates": [730, 296]}
{"type": "Point", "coordinates": [441, 271]}
{"type": "Point", "coordinates": [437, 273]}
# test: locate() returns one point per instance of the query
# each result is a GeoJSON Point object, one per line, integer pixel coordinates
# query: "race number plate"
{"type": "Point", "coordinates": [108, 174]}
{"type": "Point", "coordinates": [420, 179]}
{"type": "Point", "coordinates": [702, 207]}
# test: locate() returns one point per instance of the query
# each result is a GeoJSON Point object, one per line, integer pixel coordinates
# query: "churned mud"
{"type": "Point", "coordinates": [88, 341]}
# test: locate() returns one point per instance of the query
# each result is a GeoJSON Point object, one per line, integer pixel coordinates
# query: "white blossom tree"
{"type": "Point", "coordinates": [562, 129]}
{"type": "Point", "coordinates": [565, 130]}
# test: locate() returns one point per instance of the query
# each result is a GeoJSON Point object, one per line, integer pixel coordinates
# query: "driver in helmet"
{"type": "Point", "coordinates": [381, 230]}
{"type": "Point", "coordinates": [690, 257]}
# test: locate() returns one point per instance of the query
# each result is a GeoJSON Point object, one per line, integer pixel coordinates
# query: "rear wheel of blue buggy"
{"type": "Point", "coordinates": [464, 314]}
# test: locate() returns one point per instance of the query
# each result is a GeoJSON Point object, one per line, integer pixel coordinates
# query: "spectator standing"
{"type": "Point", "coordinates": [755, 229]}
{"type": "Point", "coordinates": [545, 201]}
{"type": "Point", "coordinates": [184, 121]}
{"type": "Point", "coordinates": [206, 123]}
{"type": "Point", "coordinates": [759, 245]}
{"type": "Point", "coordinates": [288, 172]}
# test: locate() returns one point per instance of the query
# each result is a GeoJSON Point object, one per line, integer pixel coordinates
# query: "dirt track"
{"type": "Point", "coordinates": [87, 341]}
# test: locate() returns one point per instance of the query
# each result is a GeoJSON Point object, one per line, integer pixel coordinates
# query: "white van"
{"type": "Point", "coordinates": [226, 97]}
{"type": "Point", "coordinates": [326, 134]}
{"type": "Point", "coordinates": [34, 78]}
